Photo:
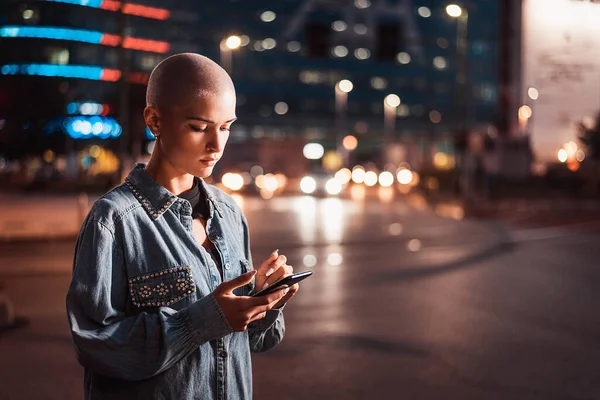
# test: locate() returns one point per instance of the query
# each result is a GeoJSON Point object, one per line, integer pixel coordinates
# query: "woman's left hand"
{"type": "Point", "coordinates": [272, 270]}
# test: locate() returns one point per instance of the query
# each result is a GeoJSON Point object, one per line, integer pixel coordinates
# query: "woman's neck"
{"type": "Point", "coordinates": [169, 177]}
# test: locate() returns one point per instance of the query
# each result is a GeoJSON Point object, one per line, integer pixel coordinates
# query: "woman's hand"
{"type": "Point", "coordinates": [273, 269]}
{"type": "Point", "coordinates": [241, 311]}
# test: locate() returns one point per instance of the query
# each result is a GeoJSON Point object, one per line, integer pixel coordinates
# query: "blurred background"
{"type": "Point", "coordinates": [435, 164]}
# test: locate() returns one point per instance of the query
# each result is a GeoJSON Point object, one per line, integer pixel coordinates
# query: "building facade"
{"type": "Point", "coordinates": [72, 58]}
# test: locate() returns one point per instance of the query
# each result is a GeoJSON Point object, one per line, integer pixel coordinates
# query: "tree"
{"type": "Point", "coordinates": [589, 136]}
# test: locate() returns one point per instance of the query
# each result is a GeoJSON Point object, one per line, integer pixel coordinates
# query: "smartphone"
{"type": "Point", "coordinates": [284, 282]}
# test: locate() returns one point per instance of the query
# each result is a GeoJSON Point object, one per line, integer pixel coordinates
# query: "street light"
{"type": "Point", "coordinates": [525, 113]}
{"type": "Point", "coordinates": [342, 88]}
{"type": "Point", "coordinates": [226, 46]}
{"type": "Point", "coordinates": [454, 10]}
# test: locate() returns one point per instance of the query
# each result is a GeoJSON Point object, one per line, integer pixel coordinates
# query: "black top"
{"type": "Point", "coordinates": [197, 199]}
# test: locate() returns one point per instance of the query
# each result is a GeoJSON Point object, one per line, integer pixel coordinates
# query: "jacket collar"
{"type": "Point", "coordinates": [156, 199]}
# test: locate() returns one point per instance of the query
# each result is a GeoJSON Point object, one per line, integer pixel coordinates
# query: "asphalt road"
{"type": "Point", "coordinates": [402, 304]}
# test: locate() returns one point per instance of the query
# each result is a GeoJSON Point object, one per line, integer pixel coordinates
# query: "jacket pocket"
{"type": "Point", "coordinates": [162, 288]}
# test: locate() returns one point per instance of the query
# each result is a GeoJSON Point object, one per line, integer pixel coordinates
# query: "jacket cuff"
{"type": "Point", "coordinates": [207, 320]}
{"type": "Point", "coordinates": [268, 321]}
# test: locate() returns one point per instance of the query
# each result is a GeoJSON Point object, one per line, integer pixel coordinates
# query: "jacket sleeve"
{"type": "Point", "coordinates": [109, 342]}
{"type": "Point", "coordinates": [265, 333]}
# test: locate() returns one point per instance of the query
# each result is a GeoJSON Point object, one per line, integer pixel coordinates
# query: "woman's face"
{"type": "Point", "coordinates": [192, 137]}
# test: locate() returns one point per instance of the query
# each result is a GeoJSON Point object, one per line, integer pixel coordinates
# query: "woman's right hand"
{"type": "Point", "coordinates": [240, 311]}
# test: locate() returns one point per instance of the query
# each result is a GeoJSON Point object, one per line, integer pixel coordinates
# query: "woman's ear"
{"type": "Point", "coordinates": [152, 118]}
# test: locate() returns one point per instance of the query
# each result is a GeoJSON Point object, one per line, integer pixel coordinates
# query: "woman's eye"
{"type": "Point", "coordinates": [225, 129]}
{"type": "Point", "coordinates": [197, 129]}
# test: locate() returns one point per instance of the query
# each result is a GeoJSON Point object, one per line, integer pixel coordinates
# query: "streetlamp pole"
{"type": "Point", "coordinates": [226, 47]}
{"type": "Point", "coordinates": [390, 106]}
{"type": "Point", "coordinates": [462, 18]}
{"type": "Point", "coordinates": [342, 88]}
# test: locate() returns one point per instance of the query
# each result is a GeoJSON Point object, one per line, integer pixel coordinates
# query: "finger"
{"type": "Point", "coordinates": [271, 258]}
{"type": "Point", "coordinates": [281, 260]}
{"type": "Point", "coordinates": [267, 299]}
{"type": "Point", "coordinates": [258, 316]}
{"type": "Point", "coordinates": [244, 279]}
{"type": "Point", "coordinates": [279, 273]}
{"type": "Point", "coordinates": [285, 299]}
{"type": "Point", "coordinates": [265, 265]}
{"type": "Point", "coordinates": [293, 290]}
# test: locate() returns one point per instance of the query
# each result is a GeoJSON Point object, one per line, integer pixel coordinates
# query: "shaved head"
{"type": "Point", "coordinates": [186, 77]}
{"type": "Point", "coordinates": [190, 109]}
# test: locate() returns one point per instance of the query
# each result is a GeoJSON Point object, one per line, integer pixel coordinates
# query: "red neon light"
{"type": "Point", "coordinates": [112, 75]}
{"type": "Point", "coordinates": [111, 5]}
{"type": "Point", "coordinates": [110, 40]}
{"type": "Point", "coordinates": [146, 45]}
{"type": "Point", "coordinates": [139, 77]}
{"type": "Point", "coordinates": [144, 11]}
{"type": "Point", "coordinates": [105, 110]}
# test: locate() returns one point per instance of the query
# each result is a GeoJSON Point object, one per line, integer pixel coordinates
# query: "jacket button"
{"type": "Point", "coordinates": [227, 266]}
{"type": "Point", "coordinates": [223, 354]}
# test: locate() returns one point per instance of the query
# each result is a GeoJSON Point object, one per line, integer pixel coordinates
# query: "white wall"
{"type": "Point", "coordinates": [561, 58]}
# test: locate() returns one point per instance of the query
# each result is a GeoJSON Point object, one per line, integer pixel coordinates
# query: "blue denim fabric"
{"type": "Point", "coordinates": [143, 318]}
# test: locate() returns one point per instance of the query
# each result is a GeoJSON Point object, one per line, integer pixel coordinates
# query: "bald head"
{"type": "Point", "coordinates": [184, 77]}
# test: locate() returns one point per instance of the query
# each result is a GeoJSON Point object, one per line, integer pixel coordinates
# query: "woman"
{"type": "Point", "coordinates": [158, 305]}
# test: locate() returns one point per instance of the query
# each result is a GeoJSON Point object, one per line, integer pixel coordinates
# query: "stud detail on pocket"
{"type": "Point", "coordinates": [161, 288]}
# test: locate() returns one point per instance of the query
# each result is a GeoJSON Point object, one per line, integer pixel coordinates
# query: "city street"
{"type": "Point", "coordinates": [402, 304]}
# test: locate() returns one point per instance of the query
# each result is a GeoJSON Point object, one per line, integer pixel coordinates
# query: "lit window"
{"type": "Point", "coordinates": [28, 14]}
{"type": "Point", "coordinates": [58, 56]}
{"type": "Point", "coordinates": [339, 26]}
{"type": "Point", "coordinates": [378, 83]}
{"type": "Point", "coordinates": [258, 46]}
{"type": "Point", "coordinates": [268, 16]}
{"type": "Point", "coordinates": [340, 51]}
{"type": "Point", "coordinates": [281, 108]}
{"type": "Point", "coordinates": [403, 58]}
{"type": "Point", "coordinates": [293, 46]}
{"type": "Point", "coordinates": [487, 92]}
{"type": "Point", "coordinates": [362, 3]}
{"type": "Point", "coordinates": [362, 53]}
{"type": "Point", "coordinates": [148, 62]}
{"type": "Point", "coordinates": [269, 43]}
{"type": "Point", "coordinates": [360, 29]}
{"type": "Point", "coordinates": [440, 63]}
{"type": "Point", "coordinates": [311, 77]}
{"type": "Point", "coordinates": [424, 12]}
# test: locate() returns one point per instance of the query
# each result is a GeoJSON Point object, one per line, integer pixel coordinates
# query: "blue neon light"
{"type": "Point", "coordinates": [87, 3]}
{"type": "Point", "coordinates": [72, 108]}
{"type": "Point", "coordinates": [78, 35]}
{"type": "Point", "coordinates": [66, 71]}
{"type": "Point", "coordinates": [97, 127]}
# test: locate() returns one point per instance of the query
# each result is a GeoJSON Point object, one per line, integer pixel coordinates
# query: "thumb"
{"type": "Point", "coordinates": [244, 279]}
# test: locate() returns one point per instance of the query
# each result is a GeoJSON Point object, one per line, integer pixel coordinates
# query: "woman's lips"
{"type": "Point", "coordinates": [209, 163]}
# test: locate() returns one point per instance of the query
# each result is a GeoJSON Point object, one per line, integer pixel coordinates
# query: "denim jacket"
{"type": "Point", "coordinates": [144, 321]}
